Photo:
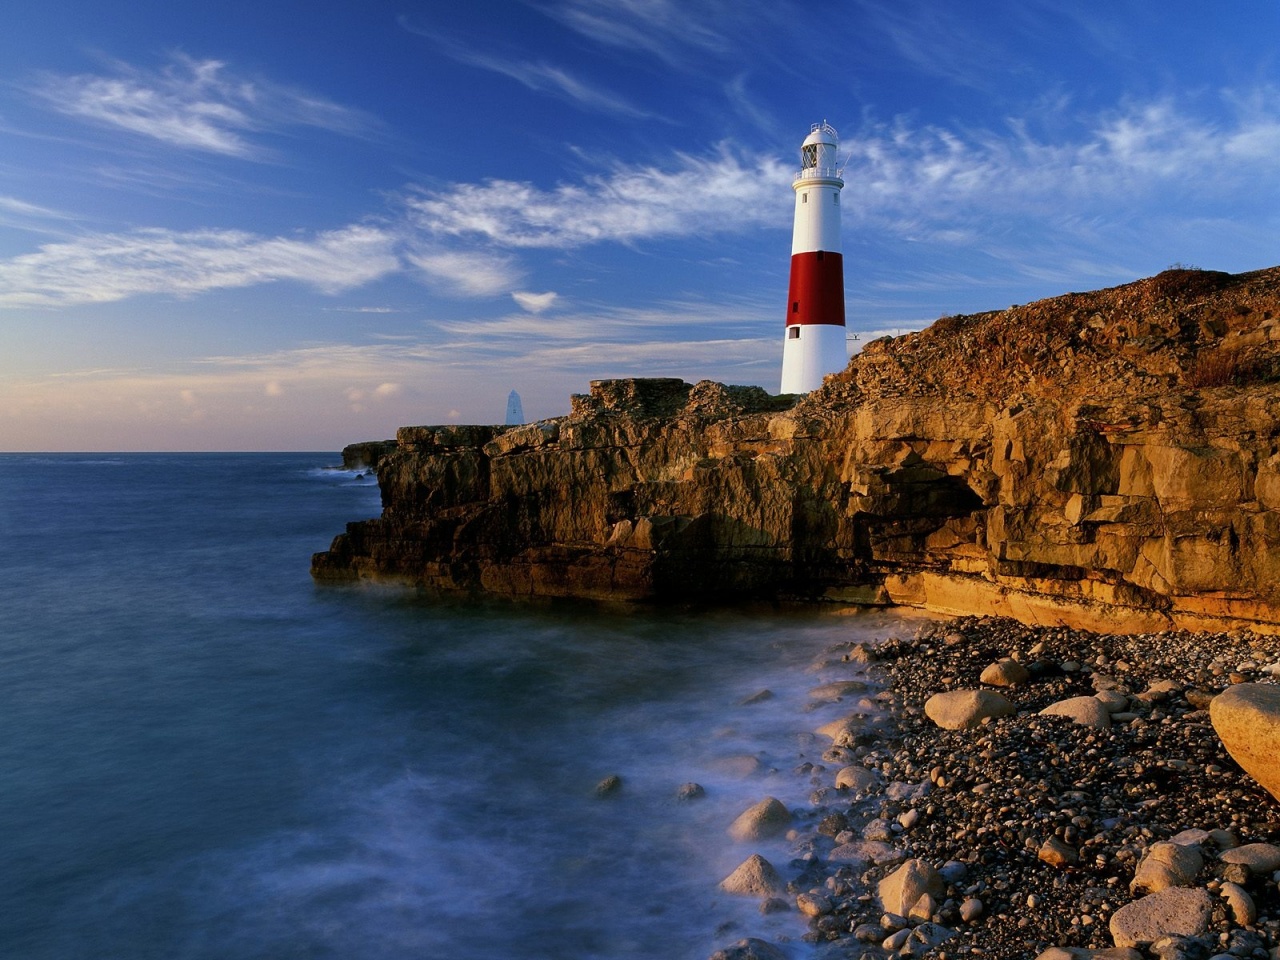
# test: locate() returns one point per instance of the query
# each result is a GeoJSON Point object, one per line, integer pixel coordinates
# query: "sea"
{"type": "Point", "coordinates": [204, 755]}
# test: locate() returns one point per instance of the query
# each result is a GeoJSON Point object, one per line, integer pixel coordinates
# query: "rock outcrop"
{"type": "Point", "coordinates": [1107, 460]}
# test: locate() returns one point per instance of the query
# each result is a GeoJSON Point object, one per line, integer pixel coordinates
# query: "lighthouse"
{"type": "Point", "coordinates": [814, 343]}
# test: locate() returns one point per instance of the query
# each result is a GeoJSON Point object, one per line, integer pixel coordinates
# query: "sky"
{"type": "Point", "coordinates": [289, 225]}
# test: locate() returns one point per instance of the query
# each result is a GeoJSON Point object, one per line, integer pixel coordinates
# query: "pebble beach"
{"type": "Point", "coordinates": [1100, 812]}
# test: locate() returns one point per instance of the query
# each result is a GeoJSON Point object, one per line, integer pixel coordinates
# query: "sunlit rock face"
{"type": "Point", "coordinates": [1108, 460]}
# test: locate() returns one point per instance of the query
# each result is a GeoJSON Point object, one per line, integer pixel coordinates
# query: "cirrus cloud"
{"type": "Point", "coordinates": [107, 267]}
{"type": "Point", "coordinates": [193, 104]}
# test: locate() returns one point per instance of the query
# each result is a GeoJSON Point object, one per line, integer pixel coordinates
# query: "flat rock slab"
{"type": "Point", "coordinates": [1246, 718]}
{"type": "Point", "coordinates": [1258, 857]}
{"type": "Point", "coordinates": [1178, 911]}
{"type": "Point", "coordinates": [837, 689]}
{"type": "Point", "coordinates": [1084, 953]}
{"type": "Point", "coordinates": [865, 852]}
{"type": "Point", "coordinates": [962, 709]}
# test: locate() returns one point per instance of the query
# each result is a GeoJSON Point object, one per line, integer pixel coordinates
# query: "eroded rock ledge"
{"type": "Point", "coordinates": [1108, 460]}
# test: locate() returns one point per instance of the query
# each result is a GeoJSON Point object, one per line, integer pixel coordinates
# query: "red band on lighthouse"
{"type": "Point", "coordinates": [814, 344]}
{"type": "Point", "coordinates": [816, 291]}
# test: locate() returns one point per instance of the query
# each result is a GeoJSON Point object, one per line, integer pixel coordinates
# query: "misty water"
{"type": "Point", "coordinates": [205, 755]}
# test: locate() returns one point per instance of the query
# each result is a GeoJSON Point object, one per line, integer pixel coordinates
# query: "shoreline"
{"type": "Point", "coordinates": [1033, 825]}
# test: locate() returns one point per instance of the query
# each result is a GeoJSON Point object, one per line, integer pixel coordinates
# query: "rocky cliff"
{"type": "Point", "coordinates": [1107, 459]}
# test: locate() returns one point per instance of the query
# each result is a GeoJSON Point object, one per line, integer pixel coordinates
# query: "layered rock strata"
{"type": "Point", "coordinates": [1109, 460]}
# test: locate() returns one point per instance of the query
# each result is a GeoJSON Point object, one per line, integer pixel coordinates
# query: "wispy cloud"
{"type": "Point", "coordinates": [1008, 193]}
{"type": "Point", "coordinates": [539, 75]}
{"type": "Point", "coordinates": [618, 323]}
{"type": "Point", "coordinates": [936, 179]}
{"type": "Point", "coordinates": [535, 302]}
{"type": "Point", "coordinates": [107, 267]}
{"type": "Point", "coordinates": [668, 30]}
{"type": "Point", "coordinates": [695, 196]}
{"type": "Point", "coordinates": [936, 39]}
{"type": "Point", "coordinates": [463, 273]}
{"type": "Point", "coordinates": [192, 104]}
{"type": "Point", "coordinates": [21, 215]}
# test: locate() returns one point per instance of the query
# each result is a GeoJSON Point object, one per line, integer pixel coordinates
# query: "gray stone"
{"type": "Point", "coordinates": [749, 949]}
{"type": "Point", "coordinates": [609, 785]}
{"type": "Point", "coordinates": [953, 871]}
{"type": "Point", "coordinates": [754, 877]}
{"type": "Point", "coordinates": [844, 732]}
{"type": "Point", "coordinates": [1087, 711]}
{"type": "Point", "coordinates": [860, 653]}
{"type": "Point", "coordinates": [962, 709]}
{"type": "Point", "coordinates": [924, 938]}
{"type": "Point", "coordinates": [1058, 854]}
{"type": "Point", "coordinates": [865, 852]}
{"type": "Point", "coordinates": [1177, 911]}
{"type": "Point", "coordinates": [690, 791]}
{"type": "Point", "coordinates": [1182, 948]}
{"type": "Point", "coordinates": [923, 909]}
{"type": "Point", "coordinates": [1258, 857]}
{"type": "Point", "coordinates": [971, 909]}
{"type": "Point", "coordinates": [837, 689]}
{"type": "Point", "coordinates": [894, 941]}
{"type": "Point", "coordinates": [1160, 690]}
{"type": "Point", "coordinates": [868, 933]}
{"type": "Point", "coordinates": [1005, 673]}
{"type": "Point", "coordinates": [878, 829]}
{"type": "Point", "coordinates": [1224, 839]}
{"type": "Point", "coordinates": [768, 818]}
{"type": "Point", "coordinates": [856, 778]}
{"type": "Point", "coordinates": [914, 879]}
{"type": "Point", "coordinates": [1243, 910]}
{"type": "Point", "coordinates": [1167, 865]}
{"type": "Point", "coordinates": [813, 904]}
{"type": "Point", "coordinates": [899, 790]}
{"type": "Point", "coordinates": [1113, 700]}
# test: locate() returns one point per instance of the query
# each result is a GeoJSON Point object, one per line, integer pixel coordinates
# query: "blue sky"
{"type": "Point", "coordinates": [293, 225]}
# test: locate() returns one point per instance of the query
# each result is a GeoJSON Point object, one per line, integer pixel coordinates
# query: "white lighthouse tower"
{"type": "Point", "coordinates": [814, 344]}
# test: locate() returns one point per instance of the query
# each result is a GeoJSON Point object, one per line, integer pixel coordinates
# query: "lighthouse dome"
{"type": "Point", "coordinates": [818, 154]}
{"type": "Point", "coordinates": [823, 133]}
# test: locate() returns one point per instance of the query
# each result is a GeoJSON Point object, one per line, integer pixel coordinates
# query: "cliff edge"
{"type": "Point", "coordinates": [1108, 460]}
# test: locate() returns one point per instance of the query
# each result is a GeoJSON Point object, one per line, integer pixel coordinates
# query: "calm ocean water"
{"type": "Point", "coordinates": [204, 755]}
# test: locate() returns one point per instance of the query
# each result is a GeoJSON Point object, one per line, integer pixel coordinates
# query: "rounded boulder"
{"type": "Point", "coordinates": [1246, 718]}
{"type": "Point", "coordinates": [1007, 672]}
{"type": "Point", "coordinates": [1087, 711]}
{"type": "Point", "coordinates": [962, 709]}
{"type": "Point", "coordinates": [768, 818]}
